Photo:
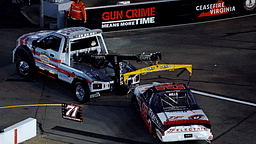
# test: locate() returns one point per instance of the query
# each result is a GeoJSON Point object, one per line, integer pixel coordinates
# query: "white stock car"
{"type": "Point", "coordinates": [171, 113]}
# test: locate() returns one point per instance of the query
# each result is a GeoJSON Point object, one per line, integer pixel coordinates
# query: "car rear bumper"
{"type": "Point", "coordinates": [205, 134]}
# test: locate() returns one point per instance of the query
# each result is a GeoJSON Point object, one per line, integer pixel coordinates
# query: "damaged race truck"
{"type": "Point", "coordinates": [170, 110]}
{"type": "Point", "coordinates": [78, 56]}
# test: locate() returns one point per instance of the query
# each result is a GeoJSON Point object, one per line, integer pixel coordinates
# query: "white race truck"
{"type": "Point", "coordinates": [77, 56]}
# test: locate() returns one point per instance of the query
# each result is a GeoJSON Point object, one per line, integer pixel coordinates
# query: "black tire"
{"type": "Point", "coordinates": [81, 91]}
{"type": "Point", "coordinates": [24, 67]}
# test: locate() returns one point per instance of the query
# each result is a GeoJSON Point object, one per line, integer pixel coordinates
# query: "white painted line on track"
{"type": "Point", "coordinates": [223, 98]}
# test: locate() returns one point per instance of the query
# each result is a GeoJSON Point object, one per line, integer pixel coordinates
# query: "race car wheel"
{"type": "Point", "coordinates": [24, 68]}
{"type": "Point", "coordinates": [82, 92]}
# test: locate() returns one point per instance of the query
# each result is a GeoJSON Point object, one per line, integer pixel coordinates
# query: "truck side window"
{"type": "Point", "coordinates": [51, 42]}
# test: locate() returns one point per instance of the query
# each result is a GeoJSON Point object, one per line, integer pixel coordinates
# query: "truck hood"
{"type": "Point", "coordinates": [27, 39]}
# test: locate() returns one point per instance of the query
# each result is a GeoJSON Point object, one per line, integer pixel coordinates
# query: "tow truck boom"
{"type": "Point", "coordinates": [159, 67]}
{"type": "Point", "coordinates": [100, 61]}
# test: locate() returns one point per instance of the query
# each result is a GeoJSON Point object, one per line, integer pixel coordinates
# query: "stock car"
{"type": "Point", "coordinates": [171, 113]}
{"type": "Point", "coordinates": [170, 110]}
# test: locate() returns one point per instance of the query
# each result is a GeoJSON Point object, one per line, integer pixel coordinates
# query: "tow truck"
{"type": "Point", "coordinates": [78, 56]}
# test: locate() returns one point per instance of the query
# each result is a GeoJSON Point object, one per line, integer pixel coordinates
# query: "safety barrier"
{"type": "Point", "coordinates": [19, 132]}
{"type": "Point", "coordinates": [156, 13]}
{"type": "Point", "coordinates": [165, 13]}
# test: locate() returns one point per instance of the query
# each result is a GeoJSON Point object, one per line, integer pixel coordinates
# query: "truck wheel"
{"type": "Point", "coordinates": [82, 92]}
{"type": "Point", "coordinates": [24, 67]}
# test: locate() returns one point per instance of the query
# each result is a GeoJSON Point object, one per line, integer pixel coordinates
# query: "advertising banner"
{"type": "Point", "coordinates": [164, 13]}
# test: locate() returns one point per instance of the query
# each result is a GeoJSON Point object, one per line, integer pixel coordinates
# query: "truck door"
{"type": "Point", "coordinates": [64, 52]}
{"type": "Point", "coordinates": [47, 53]}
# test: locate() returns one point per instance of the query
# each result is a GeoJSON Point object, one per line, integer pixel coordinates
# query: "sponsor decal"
{"type": "Point", "coordinates": [130, 17]}
{"type": "Point", "coordinates": [44, 58]}
{"type": "Point", "coordinates": [195, 117]}
{"type": "Point", "coordinates": [173, 94]}
{"type": "Point", "coordinates": [164, 67]}
{"type": "Point", "coordinates": [153, 117]}
{"type": "Point", "coordinates": [218, 8]}
{"type": "Point", "coordinates": [149, 69]}
{"type": "Point", "coordinates": [175, 117]}
{"type": "Point", "coordinates": [171, 130]}
{"type": "Point", "coordinates": [249, 5]}
{"type": "Point", "coordinates": [170, 86]}
{"type": "Point", "coordinates": [121, 73]}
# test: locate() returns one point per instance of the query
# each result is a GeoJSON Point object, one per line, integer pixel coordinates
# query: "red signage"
{"type": "Point", "coordinates": [218, 8]}
{"type": "Point", "coordinates": [130, 13]}
{"type": "Point", "coordinates": [164, 13]}
{"type": "Point", "coordinates": [129, 17]}
{"type": "Point", "coordinates": [190, 129]}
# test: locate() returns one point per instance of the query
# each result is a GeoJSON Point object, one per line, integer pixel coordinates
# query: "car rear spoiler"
{"type": "Point", "coordinates": [160, 67]}
{"type": "Point", "coordinates": [205, 123]}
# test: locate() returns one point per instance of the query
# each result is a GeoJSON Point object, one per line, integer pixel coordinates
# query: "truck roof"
{"type": "Point", "coordinates": [74, 32]}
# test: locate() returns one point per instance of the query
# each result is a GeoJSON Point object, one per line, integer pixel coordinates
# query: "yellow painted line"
{"type": "Point", "coordinates": [30, 105]}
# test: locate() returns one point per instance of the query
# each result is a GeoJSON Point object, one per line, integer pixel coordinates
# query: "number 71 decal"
{"type": "Point", "coordinates": [72, 112]}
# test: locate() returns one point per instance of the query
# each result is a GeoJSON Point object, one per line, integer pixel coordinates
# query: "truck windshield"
{"type": "Point", "coordinates": [81, 44]}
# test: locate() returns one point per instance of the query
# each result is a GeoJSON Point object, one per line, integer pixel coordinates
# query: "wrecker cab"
{"type": "Point", "coordinates": [78, 56]}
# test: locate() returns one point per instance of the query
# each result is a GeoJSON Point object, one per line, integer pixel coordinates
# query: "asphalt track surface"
{"type": "Point", "coordinates": [223, 55]}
